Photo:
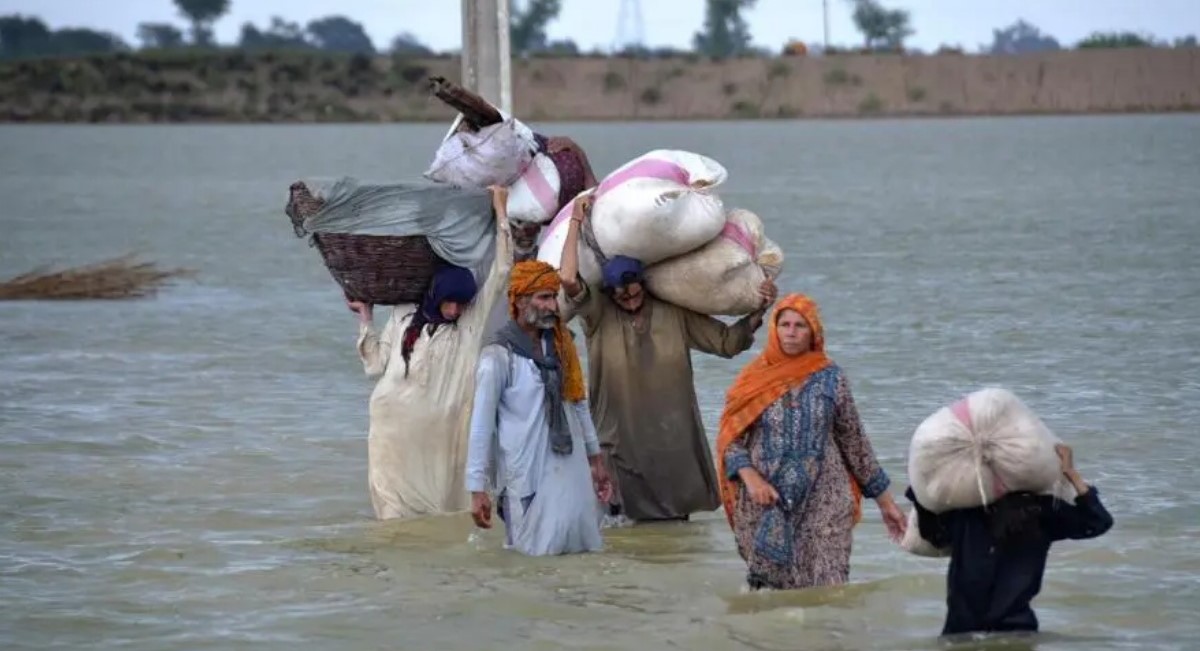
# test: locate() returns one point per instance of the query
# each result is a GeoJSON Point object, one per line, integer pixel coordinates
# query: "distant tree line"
{"type": "Point", "coordinates": [723, 34]}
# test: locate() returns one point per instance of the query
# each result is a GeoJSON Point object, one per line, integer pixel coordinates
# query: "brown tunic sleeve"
{"type": "Point", "coordinates": [710, 335]}
{"type": "Point", "coordinates": [588, 305]}
{"type": "Point", "coordinates": [854, 445]}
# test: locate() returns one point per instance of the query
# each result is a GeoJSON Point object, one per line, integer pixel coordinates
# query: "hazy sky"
{"type": "Point", "coordinates": [593, 23]}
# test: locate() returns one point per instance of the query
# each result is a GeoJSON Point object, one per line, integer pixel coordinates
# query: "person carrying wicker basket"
{"type": "Point", "coordinates": [425, 360]}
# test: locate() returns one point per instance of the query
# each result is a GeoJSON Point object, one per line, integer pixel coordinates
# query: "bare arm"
{"type": "Point", "coordinates": [568, 268]}
{"type": "Point", "coordinates": [582, 297]}
{"type": "Point", "coordinates": [504, 246]}
{"type": "Point", "coordinates": [1087, 517]}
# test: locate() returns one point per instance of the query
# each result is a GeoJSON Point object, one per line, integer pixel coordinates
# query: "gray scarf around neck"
{"type": "Point", "coordinates": [511, 336]}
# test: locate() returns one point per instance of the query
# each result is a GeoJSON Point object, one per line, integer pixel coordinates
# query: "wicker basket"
{"type": "Point", "coordinates": [376, 269]}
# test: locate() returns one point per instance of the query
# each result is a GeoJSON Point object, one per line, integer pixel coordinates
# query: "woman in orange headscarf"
{"type": "Point", "coordinates": [794, 461]}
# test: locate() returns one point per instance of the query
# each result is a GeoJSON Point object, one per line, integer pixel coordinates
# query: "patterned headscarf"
{"type": "Point", "coordinates": [766, 379]}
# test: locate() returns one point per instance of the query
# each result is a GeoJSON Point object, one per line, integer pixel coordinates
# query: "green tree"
{"type": "Point", "coordinates": [78, 41]}
{"type": "Point", "coordinates": [527, 27]}
{"type": "Point", "coordinates": [281, 35]}
{"type": "Point", "coordinates": [202, 14]}
{"type": "Point", "coordinates": [1102, 40]}
{"type": "Point", "coordinates": [340, 34]}
{"type": "Point", "coordinates": [725, 32]}
{"type": "Point", "coordinates": [881, 28]}
{"type": "Point", "coordinates": [407, 45]}
{"type": "Point", "coordinates": [23, 37]}
{"type": "Point", "coordinates": [159, 36]}
{"type": "Point", "coordinates": [1020, 38]}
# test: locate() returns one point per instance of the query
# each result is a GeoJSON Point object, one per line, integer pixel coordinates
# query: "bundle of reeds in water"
{"type": "Point", "coordinates": [117, 278]}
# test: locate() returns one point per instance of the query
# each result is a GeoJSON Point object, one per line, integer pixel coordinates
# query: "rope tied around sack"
{"type": "Point", "coordinates": [962, 411]}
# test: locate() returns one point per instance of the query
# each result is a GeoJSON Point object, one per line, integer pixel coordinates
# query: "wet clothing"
{"type": "Point", "coordinates": [809, 445]}
{"type": "Point", "coordinates": [545, 493]}
{"type": "Point", "coordinates": [990, 589]}
{"type": "Point", "coordinates": [420, 407]}
{"type": "Point", "coordinates": [644, 405]}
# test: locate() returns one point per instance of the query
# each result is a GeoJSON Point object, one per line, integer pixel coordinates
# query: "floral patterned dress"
{"type": "Point", "coordinates": [807, 445]}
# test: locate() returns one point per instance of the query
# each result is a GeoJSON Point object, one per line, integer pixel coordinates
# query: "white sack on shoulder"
{"type": "Point", "coordinates": [647, 219]}
{"type": "Point", "coordinates": [696, 169]}
{"type": "Point", "coordinates": [980, 448]}
{"type": "Point", "coordinates": [723, 277]}
{"type": "Point", "coordinates": [657, 206]}
{"type": "Point", "coordinates": [495, 155]}
{"type": "Point", "coordinates": [685, 169]}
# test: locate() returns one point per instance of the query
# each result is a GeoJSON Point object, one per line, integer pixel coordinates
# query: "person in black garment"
{"type": "Point", "coordinates": [998, 552]}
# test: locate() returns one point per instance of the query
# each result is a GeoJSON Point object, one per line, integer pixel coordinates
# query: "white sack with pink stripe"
{"type": "Point", "coordinates": [657, 206]}
{"type": "Point", "coordinates": [722, 277]}
{"type": "Point", "coordinates": [980, 448]}
{"type": "Point", "coordinates": [533, 197]}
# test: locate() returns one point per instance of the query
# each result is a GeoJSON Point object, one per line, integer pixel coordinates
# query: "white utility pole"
{"type": "Point", "coordinates": [486, 57]}
{"type": "Point", "coordinates": [825, 11]}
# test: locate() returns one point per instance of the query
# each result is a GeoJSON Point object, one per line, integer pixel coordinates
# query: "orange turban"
{"type": "Point", "coordinates": [533, 276]}
{"type": "Point", "coordinates": [766, 379]}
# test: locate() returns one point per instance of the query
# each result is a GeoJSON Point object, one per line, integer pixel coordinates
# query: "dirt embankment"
{"type": "Point", "coordinates": [234, 86]}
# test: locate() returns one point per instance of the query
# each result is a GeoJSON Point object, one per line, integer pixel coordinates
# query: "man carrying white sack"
{"type": "Point", "coordinates": [642, 393]}
{"type": "Point", "coordinates": [532, 437]}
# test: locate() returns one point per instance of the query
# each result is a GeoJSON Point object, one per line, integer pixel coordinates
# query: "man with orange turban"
{"type": "Point", "coordinates": [532, 438]}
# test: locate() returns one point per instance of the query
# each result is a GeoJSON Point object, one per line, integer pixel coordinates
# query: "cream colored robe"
{"type": "Point", "coordinates": [417, 445]}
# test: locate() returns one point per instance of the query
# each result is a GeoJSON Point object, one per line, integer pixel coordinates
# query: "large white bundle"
{"type": "Point", "coordinates": [657, 206]}
{"type": "Point", "coordinates": [980, 448]}
{"type": "Point", "coordinates": [723, 276]}
{"type": "Point", "coordinates": [533, 197]}
{"type": "Point", "coordinates": [495, 155]}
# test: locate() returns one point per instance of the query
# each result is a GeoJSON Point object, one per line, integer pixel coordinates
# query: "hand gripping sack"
{"type": "Point", "coordinates": [654, 207]}
{"type": "Point", "coordinates": [722, 277]}
{"type": "Point", "coordinates": [980, 448]}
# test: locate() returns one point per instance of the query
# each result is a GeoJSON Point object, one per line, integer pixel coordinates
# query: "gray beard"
{"type": "Point", "coordinates": [539, 320]}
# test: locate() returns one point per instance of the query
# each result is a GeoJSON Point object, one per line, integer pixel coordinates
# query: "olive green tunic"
{"type": "Point", "coordinates": [643, 401]}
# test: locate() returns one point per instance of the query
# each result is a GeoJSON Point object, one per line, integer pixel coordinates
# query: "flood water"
{"type": "Point", "coordinates": [189, 471]}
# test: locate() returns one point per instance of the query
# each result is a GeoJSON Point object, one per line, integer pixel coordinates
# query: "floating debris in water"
{"type": "Point", "coordinates": [116, 278]}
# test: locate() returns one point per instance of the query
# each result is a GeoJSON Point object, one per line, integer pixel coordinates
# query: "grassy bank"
{"type": "Point", "coordinates": [238, 86]}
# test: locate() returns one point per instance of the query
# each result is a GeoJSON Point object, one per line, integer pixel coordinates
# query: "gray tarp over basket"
{"type": "Point", "coordinates": [365, 227]}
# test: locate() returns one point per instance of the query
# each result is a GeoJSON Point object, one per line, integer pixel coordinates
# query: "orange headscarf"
{"type": "Point", "coordinates": [532, 276]}
{"type": "Point", "coordinates": [765, 380]}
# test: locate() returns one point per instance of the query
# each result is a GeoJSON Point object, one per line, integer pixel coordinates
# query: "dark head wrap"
{"type": "Point", "coordinates": [622, 270]}
{"type": "Point", "coordinates": [450, 283]}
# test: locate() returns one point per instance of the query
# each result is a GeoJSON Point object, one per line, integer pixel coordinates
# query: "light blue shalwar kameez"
{"type": "Point", "coordinates": [548, 501]}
